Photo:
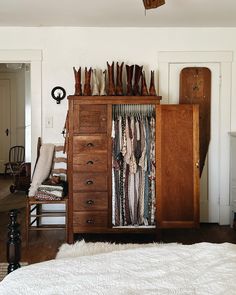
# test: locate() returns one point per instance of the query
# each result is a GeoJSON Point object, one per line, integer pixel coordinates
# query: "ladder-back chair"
{"type": "Point", "coordinates": [38, 210]}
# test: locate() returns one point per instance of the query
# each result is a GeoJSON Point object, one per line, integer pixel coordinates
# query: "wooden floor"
{"type": "Point", "coordinates": [44, 245]}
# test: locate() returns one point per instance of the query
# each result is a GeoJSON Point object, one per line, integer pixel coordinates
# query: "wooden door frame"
{"type": "Point", "coordinates": [34, 58]}
{"type": "Point", "coordinates": [225, 59]}
{"type": "Point", "coordinates": [7, 124]}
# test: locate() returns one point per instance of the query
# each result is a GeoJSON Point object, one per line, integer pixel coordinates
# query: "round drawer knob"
{"type": "Point", "coordinates": [90, 221]}
{"type": "Point", "coordinates": [90, 144]}
{"type": "Point", "coordinates": [89, 182]}
{"type": "Point", "coordinates": [90, 162]}
{"type": "Point", "coordinates": [90, 202]}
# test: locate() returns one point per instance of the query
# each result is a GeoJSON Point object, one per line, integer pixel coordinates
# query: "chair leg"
{"type": "Point", "coordinates": [6, 168]}
{"type": "Point", "coordinates": [38, 212]}
{"type": "Point", "coordinates": [27, 225]}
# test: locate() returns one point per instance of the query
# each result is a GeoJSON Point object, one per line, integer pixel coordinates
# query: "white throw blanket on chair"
{"type": "Point", "coordinates": [43, 167]}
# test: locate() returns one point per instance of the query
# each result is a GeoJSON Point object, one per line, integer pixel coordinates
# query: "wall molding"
{"type": "Point", "coordinates": [197, 56]}
{"type": "Point", "coordinates": [34, 58]}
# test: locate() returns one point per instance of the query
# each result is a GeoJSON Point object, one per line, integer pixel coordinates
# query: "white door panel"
{"type": "Point", "coordinates": [209, 185]}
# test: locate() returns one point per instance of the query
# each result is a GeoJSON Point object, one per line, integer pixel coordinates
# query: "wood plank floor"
{"type": "Point", "coordinates": [44, 245]}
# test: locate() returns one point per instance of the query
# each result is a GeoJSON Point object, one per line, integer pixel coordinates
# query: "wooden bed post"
{"type": "Point", "coordinates": [13, 243]}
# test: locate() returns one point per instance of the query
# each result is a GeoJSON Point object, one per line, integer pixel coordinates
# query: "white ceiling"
{"type": "Point", "coordinates": [117, 13]}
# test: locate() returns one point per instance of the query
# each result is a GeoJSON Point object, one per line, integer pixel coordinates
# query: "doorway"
{"type": "Point", "coordinates": [209, 204]}
{"type": "Point", "coordinates": [5, 106]}
{"type": "Point", "coordinates": [15, 109]}
{"type": "Point", "coordinates": [220, 183]}
{"type": "Point", "coordinates": [34, 58]}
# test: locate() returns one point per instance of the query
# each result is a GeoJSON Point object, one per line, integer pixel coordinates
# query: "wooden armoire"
{"type": "Point", "coordinates": [90, 160]}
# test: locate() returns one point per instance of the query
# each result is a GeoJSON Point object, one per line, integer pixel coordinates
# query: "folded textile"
{"type": "Point", "coordinates": [60, 185]}
{"type": "Point", "coordinates": [51, 193]}
{"type": "Point", "coordinates": [51, 188]}
{"type": "Point", "coordinates": [42, 195]}
{"type": "Point", "coordinates": [43, 167]}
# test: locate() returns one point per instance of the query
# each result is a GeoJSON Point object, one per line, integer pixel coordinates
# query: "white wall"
{"type": "Point", "coordinates": [64, 48]}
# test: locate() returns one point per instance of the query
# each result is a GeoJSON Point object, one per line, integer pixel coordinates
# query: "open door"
{"type": "Point", "coordinates": [177, 166]}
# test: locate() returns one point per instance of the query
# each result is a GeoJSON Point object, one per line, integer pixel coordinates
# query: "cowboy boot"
{"type": "Point", "coordinates": [95, 83]}
{"type": "Point", "coordinates": [137, 75]}
{"type": "Point", "coordinates": [152, 90]}
{"type": "Point", "coordinates": [119, 87]}
{"type": "Point", "coordinates": [111, 83]}
{"type": "Point", "coordinates": [129, 74]}
{"type": "Point", "coordinates": [87, 86]}
{"type": "Point", "coordinates": [103, 83]}
{"type": "Point", "coordinates": [144, 91]}
{"type": "Point", "coordinates": [78, 87]}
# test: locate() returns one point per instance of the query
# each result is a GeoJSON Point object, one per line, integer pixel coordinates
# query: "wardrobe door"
{"type": "Point", "coordinates": [177, 166]}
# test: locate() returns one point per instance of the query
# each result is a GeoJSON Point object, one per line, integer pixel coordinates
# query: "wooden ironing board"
{"type": "Point", "coordinates": [195, 88]}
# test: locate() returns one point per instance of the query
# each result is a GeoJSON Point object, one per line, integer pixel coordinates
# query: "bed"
{"type": "Point", "coordinates": [102, 268]}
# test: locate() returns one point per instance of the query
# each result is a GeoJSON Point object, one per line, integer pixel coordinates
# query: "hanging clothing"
{"type": "Point", "coordinates": [133, 169]}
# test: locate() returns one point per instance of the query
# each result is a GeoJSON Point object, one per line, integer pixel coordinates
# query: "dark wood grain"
{"type": "Point", "coordinates": [91, 201]}
{"type": "Point", "coordinates": [90, 118]}
{"type": "Point", "coordinates": [90, 219]}
{"type": "Point", "coordinates": [13, 242]}
{"type": "Point", "coordinates": [95, 143]}
{"type": "Point", "coordinates": [89, 144]}
{"type": "Point", "coordinates": [70, 154]}
{"type": "Point", "coordinates": [90, 182]}
{"type": "Point", "coordinates": [195, 88]}
{"type": "Point", "coordinates": [109, 100]}
{"type": "Point", "coordinates": [90, 162]}
{"type": "Point", "coordinates": [177, 173]}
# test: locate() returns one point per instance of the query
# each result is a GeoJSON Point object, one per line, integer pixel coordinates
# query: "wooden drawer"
{"type": "Point", "coordinates": [90, 201]}
{"type": "Point", "coordinates": [90, 182]}
{"type": "Point", "coordinates": [90, 219]}
{"type": "Point", "coordinates": [89, 144]}
{"type": "Point", "coordinates": [90, 118]}
{"type": "Point", "coordinates": [90, 163]}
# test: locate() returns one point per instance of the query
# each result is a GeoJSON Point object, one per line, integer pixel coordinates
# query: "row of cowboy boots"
{"type": "Point", "coordinates": [112, 90]}
{"type": "Point", "coordinates": [87, 91]}
{"type": "Point", "coordinates": [134, 89]}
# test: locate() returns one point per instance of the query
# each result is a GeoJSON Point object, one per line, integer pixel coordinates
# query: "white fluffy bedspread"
{"type": "Point", "coordinates": [202, 268]}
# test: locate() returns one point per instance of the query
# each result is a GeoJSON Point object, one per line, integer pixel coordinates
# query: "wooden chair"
{"type": "Point", "coordinates": [35, 209]}
{"type": "Point", "coordinates": [16, 158]}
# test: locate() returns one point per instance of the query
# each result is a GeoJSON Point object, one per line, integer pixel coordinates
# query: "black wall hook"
{"type": "Point", "coordinates": [58, 93]}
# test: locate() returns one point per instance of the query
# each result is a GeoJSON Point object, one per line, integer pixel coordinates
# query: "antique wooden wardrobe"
{"type": "Point", "coordinates": [90, 164]}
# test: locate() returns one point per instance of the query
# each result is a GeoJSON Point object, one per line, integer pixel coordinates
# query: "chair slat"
{"type": "Point", "coordinates": [60, 160]}
{"type": "Point", "coordinates": [59, 148]}
{"type": "Point", "coordinates": [59, 171]}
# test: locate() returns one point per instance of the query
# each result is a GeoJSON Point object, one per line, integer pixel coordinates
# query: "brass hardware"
{"type": "Point", "coordinates": [90, 163]}
{"type": "Point", "coordinates": [90, 221]}
{"type": "Point", "coordinates": [197, 164]}
{"type": "Point", "coordinates": [90, 202]}
{"type": "Point", "coordinates": [90, 144]}
{"type": "Point", "coordinates": [89, 182]}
